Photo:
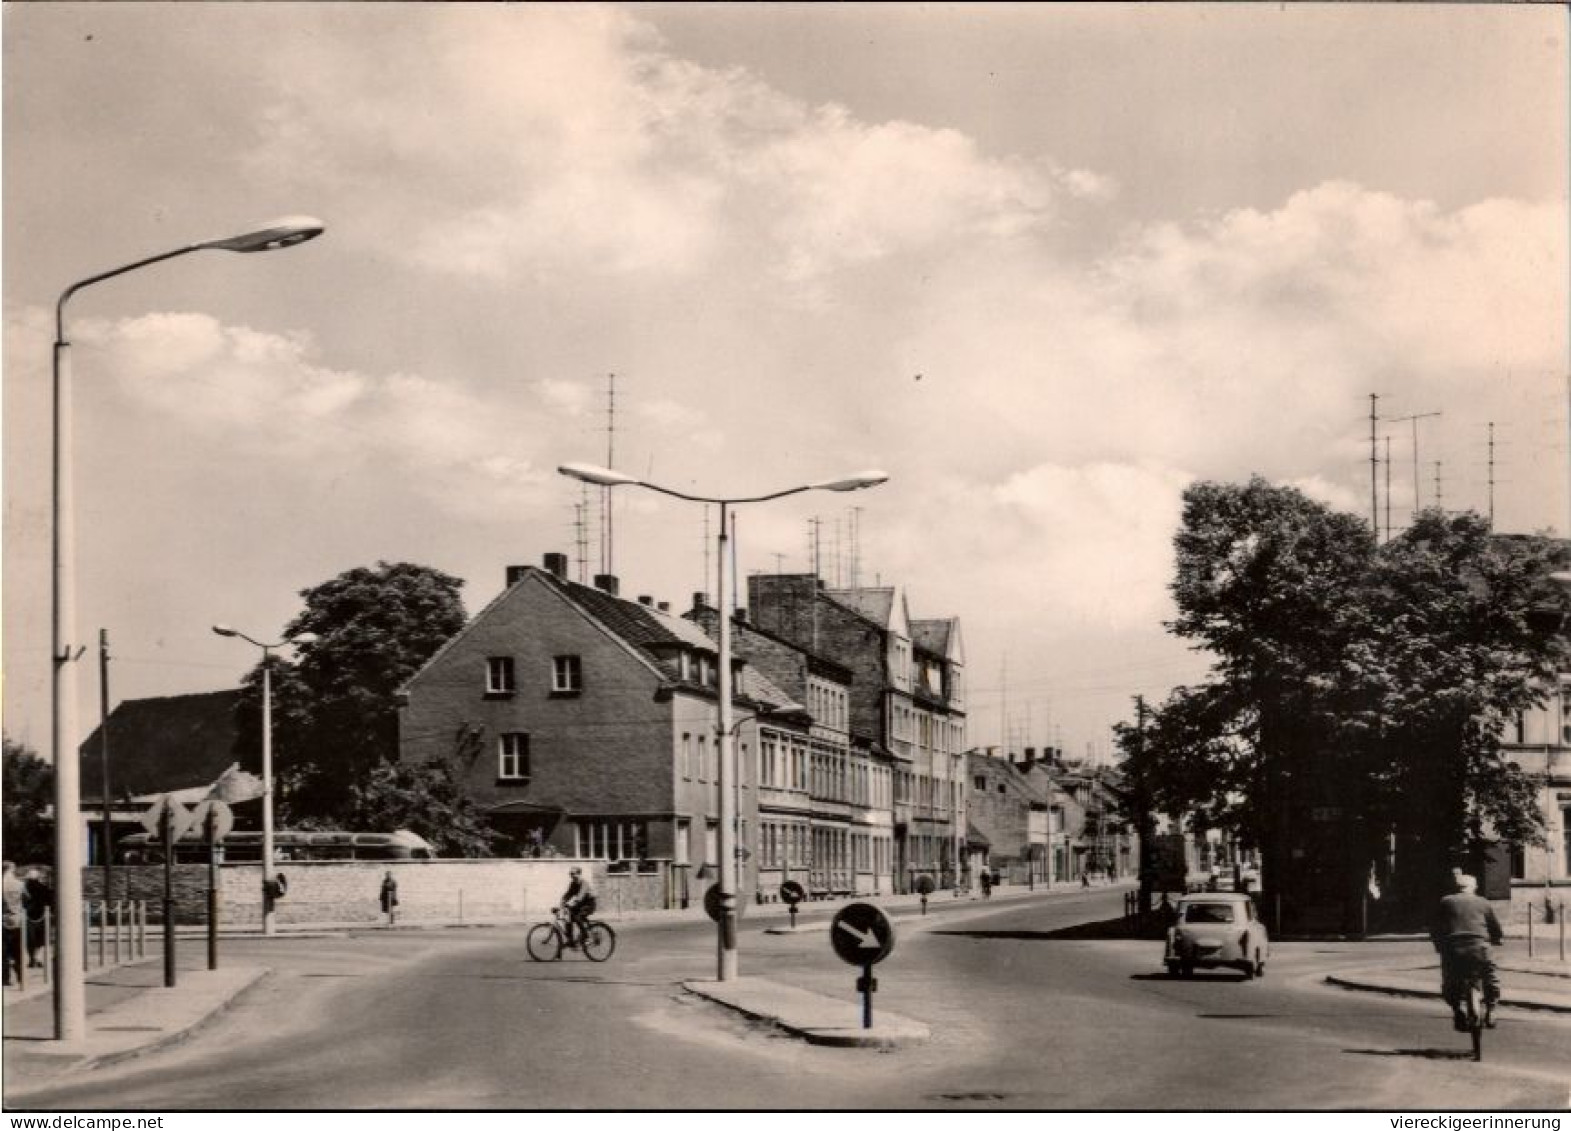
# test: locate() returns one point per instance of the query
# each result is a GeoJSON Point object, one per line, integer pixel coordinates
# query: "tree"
{"type": "Point", "coordinates": [28, 790]}
{"type": "Point", "coordinates": [1355, 691]}
{"type": "Point", "coordinates": [335, 709]}
{"type": "Point", "coordinates": [1459, 645]}
{"type": "Point", "coordinates": [425, 799]}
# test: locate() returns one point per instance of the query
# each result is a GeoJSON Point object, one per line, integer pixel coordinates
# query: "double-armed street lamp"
{"type": "Point", "coordinates": [269, 892]}
{"type": "Point", "coordinates": [605, 477]}
{"type": "Point", "coordinates": [70, 1000]}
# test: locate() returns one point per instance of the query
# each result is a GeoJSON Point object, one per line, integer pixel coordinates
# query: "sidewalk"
{"type": "Point", "coordinates": [1542, 984]}
{"type": "Point", "coordinates": [129, 1012]}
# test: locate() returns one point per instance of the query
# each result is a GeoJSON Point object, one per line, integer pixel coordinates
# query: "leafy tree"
{"type": "Point", "coordinates": [28, 790]}
{"type": "Point", "coordinates": [425, 799]}
{"type": "Point", "coordinates": [1463, 637]}
{"type": "Point", "coordinates": [1372, 683]}
{"type": "Point", "coordinates": [335, 708]}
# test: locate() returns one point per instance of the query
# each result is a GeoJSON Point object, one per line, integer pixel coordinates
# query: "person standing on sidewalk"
{"type": "Point", "coordinates": [11, 919]}
{"type": "Point", "coordinates": [38, 901]}
{"type": "Point", "coordinates": [389, 897]}
{"type": "Point", "coordinates": [1464, 927]}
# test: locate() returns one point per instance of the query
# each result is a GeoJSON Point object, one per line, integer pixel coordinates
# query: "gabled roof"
{"type": "Point", "coordinates": [877, 605]}
{"type": "Point", "coordinates": [163, 744]}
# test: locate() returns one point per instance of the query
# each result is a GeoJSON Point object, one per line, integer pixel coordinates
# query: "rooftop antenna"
{"type": "Point", "coordinates": [856, 547]}
{"type": "Point", "coordinates": [1415, 418]}
{"type": "Point", "coordinates": [1491, 475]}
{"type": "Point", "coordinates": [607, 562]}
{"type": "Point", "coordinates": [1388, 491]}
{"type": "Point", "coordinates": [1439, 499]}
{"type": "Point", "coordinates": [1374, 466]}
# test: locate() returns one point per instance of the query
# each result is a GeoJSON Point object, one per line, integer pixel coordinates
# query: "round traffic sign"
{"type": "Point", "coordinates": [792, 892]}
{"type": "Point", "coordinates": [861, 934]}
{"type": "Point", "coordinates": [924, 885]}
{"type": "Point", "coordinates": [712, 903]}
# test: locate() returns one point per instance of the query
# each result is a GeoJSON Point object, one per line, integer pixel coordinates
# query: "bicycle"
{"type": "Point", "coordinates": [1473, 1007]}
{"type": "Point", "coordinates": [546, 941]}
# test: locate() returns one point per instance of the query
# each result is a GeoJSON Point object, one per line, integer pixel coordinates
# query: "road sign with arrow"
{"type": "Point", "coordinates": [861, 934]}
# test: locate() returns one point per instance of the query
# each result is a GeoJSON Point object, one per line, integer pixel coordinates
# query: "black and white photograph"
{"type": "Point", "coordinates": [835, 558]}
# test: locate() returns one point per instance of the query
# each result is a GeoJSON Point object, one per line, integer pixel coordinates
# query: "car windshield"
{"type": "Point", "coordinates": [1208, 913]}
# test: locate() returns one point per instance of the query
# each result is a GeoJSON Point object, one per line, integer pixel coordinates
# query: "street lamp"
{"type": "Point", "coordinates": [605, 477]}
{"type": "Point", "coordinates": [70, 999]}
{"type": "Point", "coordinates": [269, 924]}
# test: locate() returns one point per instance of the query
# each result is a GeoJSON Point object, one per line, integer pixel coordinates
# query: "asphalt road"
{"type": "Point", "coordinates": [1022, 1017]}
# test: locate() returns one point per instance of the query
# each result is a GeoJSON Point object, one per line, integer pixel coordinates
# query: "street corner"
{"type": "Point", "coordinates": [813, 1017]}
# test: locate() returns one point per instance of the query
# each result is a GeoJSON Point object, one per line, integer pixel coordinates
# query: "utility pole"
{"type": "Point", "coordinates": [1145, 821]}
{"type": "Point", "coordinates": [103, 757]}
{"type": "Point", "coordinates": [1439, 498]}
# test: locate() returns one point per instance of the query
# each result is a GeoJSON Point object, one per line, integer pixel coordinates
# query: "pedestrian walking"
{"type": "Point", "coordinates": [38, 901]}
{"type": "Point", "coordinates": [11, 919]}
{"type": "Point", "coordinates": [389, 898]}
{"type": "Point", "coordinates": [987, 885]}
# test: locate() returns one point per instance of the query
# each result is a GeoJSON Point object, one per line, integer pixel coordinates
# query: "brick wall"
{"type": "Point", "coordinates": [348, 892]}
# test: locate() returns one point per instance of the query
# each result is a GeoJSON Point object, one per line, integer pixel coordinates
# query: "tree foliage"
{"type": "Point", "coordinates": [1375, 680]}
{"type": "Point", "coordinates": [335, 708]}
{"type": "Point", "coordinates": [425, 799]}
{"type": "Point", "coordinates": [28, 790]}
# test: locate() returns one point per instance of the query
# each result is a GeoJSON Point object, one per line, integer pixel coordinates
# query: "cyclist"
{"type": "Point", "coordinates": [579, 903]}
{"type": "Point", "coordinates": [1464, 927]}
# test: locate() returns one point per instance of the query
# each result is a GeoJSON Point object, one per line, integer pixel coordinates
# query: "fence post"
{"type": "Point", "coordinates": [49, 944]}
{"type": "Point", "coordinates": [1530, 928]}
{"type": "Point", "coordinates": [1562, 930]}
{"type": "Point", "coordinates": [141, 928]}
{"type": "Point", "coordinates": [87, 933]}
{"type": "Point", "coordinates": [119, 916]}
{"type": "Point", "coordinates": [460, 905]}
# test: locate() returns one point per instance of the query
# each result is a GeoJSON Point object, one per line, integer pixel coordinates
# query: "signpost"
{"type": "Point", "coordinates": [714, 908]}
{"type": "Point", "coordinates": [216, 819]}
{"type": "Point", "coordinates": [792, 893]}
{"type": "Point", "coordinates": [169, 820]}
{"type": "Point", "coordinates": [924, 887]}
{"type": "Point", "coordinates": [862, 935]}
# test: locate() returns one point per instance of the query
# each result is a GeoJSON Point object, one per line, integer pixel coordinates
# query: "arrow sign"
{"type": "Point", "coordinates": [179, 817]}
{"type": "Point", "coordinates": [861, 934]}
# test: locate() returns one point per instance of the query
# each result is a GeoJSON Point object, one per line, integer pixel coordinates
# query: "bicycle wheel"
{"type": "Point", "coordinates": [1475, 1018]}
{"type": "Point", "coordinates": [544, 942]}
{"type": "Point", "coordinates": [599, 942]}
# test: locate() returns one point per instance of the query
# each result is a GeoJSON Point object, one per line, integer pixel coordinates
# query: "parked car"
{"type": "Point", "coordinates": [1214, 929]}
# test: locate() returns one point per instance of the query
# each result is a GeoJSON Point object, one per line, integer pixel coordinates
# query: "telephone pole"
{"type": "Point", "coordinates": [1414, 419]}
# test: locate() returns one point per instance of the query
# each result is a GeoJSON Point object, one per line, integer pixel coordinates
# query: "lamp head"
{"type": "Point", "coordinates": [304, 638]}
{"type": "Point", "coordinates": [856, 482]}
{"type": "Point", "coordinates": [600, 476]}
{"type": "Point", "coordinates": [283, 232]}
{"type": "Point", "coordinates": [224, 630]}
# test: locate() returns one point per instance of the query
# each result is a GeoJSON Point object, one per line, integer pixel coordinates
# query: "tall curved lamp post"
{"type": "Point", "coordinates": [269, 895]}
{"type": "Point", "coordinates": [70, 998]}
{"type": "Point", "coordinates": [605, 477]}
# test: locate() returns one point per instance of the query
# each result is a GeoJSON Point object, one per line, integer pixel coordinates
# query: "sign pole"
{"type": "Point", "coordinates": [866, 984]}
{"type": "Point", "coordinates": [212, 887]}
{"type": "Point", "coordinates": [167, 820]}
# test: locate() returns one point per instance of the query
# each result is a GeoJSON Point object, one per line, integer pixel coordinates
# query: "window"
{"type": "Point", "coordinates": [612, 839]}
{"type": "Point", "coordinates": [499, 675]}
{"type": "Point", "coordinates": [980, 782]}
{"type": "Point", "coordinates": [513, 758]}
{"type": "Point", "coordinates": [567, 675]}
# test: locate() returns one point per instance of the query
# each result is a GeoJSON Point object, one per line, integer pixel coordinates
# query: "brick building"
{"type": "Point", "coordinates": [585, 724]}
{"type": "Point", "coordinates": [906, 703]}
{"type": "Point", "coordinates": [1013, 814]}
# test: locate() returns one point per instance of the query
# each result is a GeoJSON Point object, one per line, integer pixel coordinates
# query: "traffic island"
{"type": "Point", "coordinates": [816, 1018]}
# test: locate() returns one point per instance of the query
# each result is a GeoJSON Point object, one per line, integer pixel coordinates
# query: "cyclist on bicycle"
{"type": "Point", "coordinates": [579, 903]}
{"type": "Point", "coordinates": [1464, 927]}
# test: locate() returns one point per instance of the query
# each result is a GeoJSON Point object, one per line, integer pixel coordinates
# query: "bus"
{"type": "Point", "coordinates": [288, 845]}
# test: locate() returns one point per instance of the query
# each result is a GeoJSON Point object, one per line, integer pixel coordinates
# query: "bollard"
{"type": "Point", "coordinates": [119, 912]}
{"type": "Point", "coordinates": [460, 905]}
{"type": "Point", "coordinates": [87, 933]}
{"type": "Point", "coordinates": [1530, 929]}
{"type": "Point", "coordinates": [1562, 931]}
{"type": "Point", "coordinates": [49, 944]}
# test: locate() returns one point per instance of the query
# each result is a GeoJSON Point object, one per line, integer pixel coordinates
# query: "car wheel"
{"type": "Point", "coordinates": [1172, 969]}
{"type": "Point", "coordinates": [1249, 971]}
{"type": "Point", "coordinates": [1187, 969]}
{"type": "Point", "coordinates": [1260, 965]}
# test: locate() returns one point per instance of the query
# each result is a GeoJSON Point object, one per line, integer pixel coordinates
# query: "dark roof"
{"type": "Point", "coordinates": [932, 635]}
{"type": "Point", "coordinates": [158, 745]}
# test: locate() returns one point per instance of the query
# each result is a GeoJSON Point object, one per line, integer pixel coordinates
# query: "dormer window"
{"type": "Point", "coordinates": [684, 666]}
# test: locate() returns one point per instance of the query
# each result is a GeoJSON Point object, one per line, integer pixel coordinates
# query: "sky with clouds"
{"type": "Point", "coordinates": [1044, 265]}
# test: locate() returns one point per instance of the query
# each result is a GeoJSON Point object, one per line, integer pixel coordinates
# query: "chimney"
{"type": "Point", "coordinates": [739, 616]}
{"type": "Point", "coordinates": [699, 601]}
{"type": "Point", "coordinates": [514, 573]}
{"type": "Point", "coordinates": [607, 583]}
{"type": "Point", "coordinates": [664, 606]}
{"type": "Point", "coordinates": [646, 600]}
{"type": "Point", "coordinates": [556, 565]}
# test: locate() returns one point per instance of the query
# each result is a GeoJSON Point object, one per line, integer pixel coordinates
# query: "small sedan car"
{"type": "Point", "coordinates": [1216, 929]}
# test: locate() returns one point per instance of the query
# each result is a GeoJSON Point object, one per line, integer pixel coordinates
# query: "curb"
{"type": "Point", "coordinates": [1346, 983]}
{"type": "Point", "coordinates": [890, 1031]}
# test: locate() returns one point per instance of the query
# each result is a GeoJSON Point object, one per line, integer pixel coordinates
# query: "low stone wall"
{"type": "Point", "coordinates": [349, 892]}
